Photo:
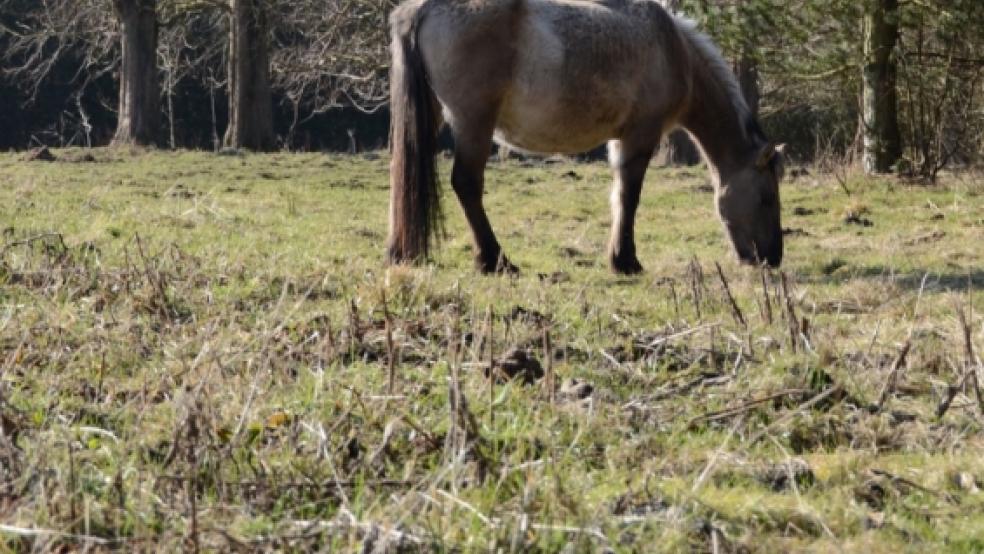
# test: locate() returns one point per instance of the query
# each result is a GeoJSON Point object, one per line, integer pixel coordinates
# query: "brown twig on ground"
{"type": "Point", "coordinates": [951, 394]}
{"type": "Point", "coordinates": [696, 284]}
{"type": "Point", "coordinates": [328, 351]}
{"type": "Point", "coordinates": [712, 350]}
{"type": "Point", "coordinates": [293, 485]}
{"type": "Point", "coordinates": [972, 364]}
{"type": "Point", "coordinates": [463, 430]}
{"type": "Point", "coordinates": [428, 436]}
{"type": "Point", "coordinates": [390, 347]}
{"type": "Point", "coordinates": [839, 172]}
{"type": "Point", "coordinates": [463, 422]}
{"type": "Point", "coordinates": [735, 310]}
{"type": "Point", "coordinates": [741, 409]}
{"type": "Point", "coordinates": [31, 240]}
{"type": "Point", "coordinates": [836, 389]}
{"type": "Point", "coordinates": [489, 322]}
{"type": "Point", "coordinates": [969, 375]}
{"type": "Point", "coordinates": [156, 280]}
{"type": "Point", "coordinates": [910, 483]}
{"type": "Point", "coordinates": [765, 294]}
{"type": "Point", "coordinates": [192, 483]}
{"type": "Point", "coordinates": [673, 295]}
{"type": "Point", "coordinates": [548, 360]}
{"type": "Point", "coordinates": [72, 484]}
{"type": "Point", "coordinates": [355, 326]}
{"type": "Point", "coordinates": [794, 326]}
{"type": "Point", "coordinates": [947, 400]}
{"type": "Point", "coordinates": [889, 387]}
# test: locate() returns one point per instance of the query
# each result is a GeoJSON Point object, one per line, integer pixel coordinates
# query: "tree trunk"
{"type": "Point", "coordinates": [139, 104]}
{"type": "Point", "coordinates": [677, 148]}
{"type": "Point", "coordinates": [745, 67]}
{"type": "Point", "coordinates": [747, 72]}
{"type": "Point", "coordinates": [880, 123]}
{"type": "Point", "coordinates": [250, 100]}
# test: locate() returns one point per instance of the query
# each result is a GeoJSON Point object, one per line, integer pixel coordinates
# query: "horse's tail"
{"type": "Point", "coordinates": [415, 210]}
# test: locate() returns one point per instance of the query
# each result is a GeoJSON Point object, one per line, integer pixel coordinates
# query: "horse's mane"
{"type": "Point", "coordinates": [714, 61]}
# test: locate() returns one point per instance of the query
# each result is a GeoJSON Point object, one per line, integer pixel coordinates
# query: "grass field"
{"type": "Point", "coordinates": [206, 352]}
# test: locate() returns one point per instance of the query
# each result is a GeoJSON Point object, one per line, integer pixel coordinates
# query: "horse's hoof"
{"type": "Point", "coordinates": [501, 266]}
{"type": "Point", "coordinates": [626, 266]}
{"type": "Point", "coordinates": [505, 267]}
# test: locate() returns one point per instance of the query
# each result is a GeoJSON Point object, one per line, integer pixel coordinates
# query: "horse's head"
{"type": "Point", "coordinates": [748, 202]}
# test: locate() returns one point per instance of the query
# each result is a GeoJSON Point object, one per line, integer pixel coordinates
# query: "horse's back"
{"type": "Point", "coordinates": [564, 75]}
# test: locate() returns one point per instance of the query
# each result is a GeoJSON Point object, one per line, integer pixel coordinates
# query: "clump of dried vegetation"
{"type": "Point", "coordinates": [203, 371]}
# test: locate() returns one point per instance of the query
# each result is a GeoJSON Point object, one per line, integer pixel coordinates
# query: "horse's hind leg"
{"type": "Point", "coordinates": [472, 149]}
{"type": "Point", "coordinates": [629, 163]}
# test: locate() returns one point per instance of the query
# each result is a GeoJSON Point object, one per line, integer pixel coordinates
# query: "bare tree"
{"type": "Point", "coordinates": [334, 54]}
{"type": "Point", "coordinates": [250, 96]}
{"type": "Point", "coordinates": [149, 46]}
{"type": "Point", "coordinates": [880, 120]}
{"type": "Point", "coordinates": [41, 35]}
{"type": "Point", "coordinates": [941, 86]}
{"type": "Point", "coordinates": [330, 55]}
{"type": "Point", "coordinates": [102, 38]}
{"type": "Point", "coordinates": [139, 119]}
{"type": "Point", "coordinates": [677, 148]}
{"type": "Point", "coordinates": [746, 63]}
{"type": "Point", "coordinates": [193, 51]}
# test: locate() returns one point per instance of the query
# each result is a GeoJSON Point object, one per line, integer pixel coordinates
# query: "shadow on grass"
{"type": "Point", "coordinates": [949, 281]}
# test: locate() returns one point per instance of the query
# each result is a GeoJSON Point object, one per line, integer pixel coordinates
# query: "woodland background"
{"type": "Point", "coordinates": [895, 85]}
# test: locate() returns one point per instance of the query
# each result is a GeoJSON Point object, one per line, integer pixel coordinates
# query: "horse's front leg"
{"type": "Point", "coordinates": [629, 163]}
{"type": "Point", "coordinates": [468, 180]}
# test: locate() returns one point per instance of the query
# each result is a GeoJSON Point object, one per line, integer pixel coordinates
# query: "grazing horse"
{"type": "Point", "coordinates": [563, 76]}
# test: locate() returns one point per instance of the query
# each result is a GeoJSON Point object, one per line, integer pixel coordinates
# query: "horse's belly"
{"type": "Point", "coordinates": [546, 131]}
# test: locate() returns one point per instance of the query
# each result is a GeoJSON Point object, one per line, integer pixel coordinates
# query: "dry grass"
{"type": "Point", "coordinates": [205, 353]}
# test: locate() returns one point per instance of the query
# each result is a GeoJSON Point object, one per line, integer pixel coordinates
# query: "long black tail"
{"type": "Point", "coordinates": [415, 203]}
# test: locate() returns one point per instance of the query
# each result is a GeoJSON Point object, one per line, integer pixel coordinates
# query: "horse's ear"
{"type": "Point", "coordinates": [780, 159]}
{"type": "Point", "coordinates": [769, 153]}
{"type": "Point", "coordinates": [765, 155]}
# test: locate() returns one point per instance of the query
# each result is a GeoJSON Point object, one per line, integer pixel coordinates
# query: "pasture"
{"type": "Point", "coordinates": [207, 352]}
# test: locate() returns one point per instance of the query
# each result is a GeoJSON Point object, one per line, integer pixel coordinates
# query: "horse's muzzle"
{"type": "Point", "coordinates": [772, 257]}
{"type": "Point", "coordinates": [774, 260]}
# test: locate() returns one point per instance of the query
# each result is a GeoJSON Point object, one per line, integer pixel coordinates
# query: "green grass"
{"type": "Point", "coordinates": [195, 353]}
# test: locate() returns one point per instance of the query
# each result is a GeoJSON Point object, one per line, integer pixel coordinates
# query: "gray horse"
{"type": "Point", "coordinates": [563, 76]}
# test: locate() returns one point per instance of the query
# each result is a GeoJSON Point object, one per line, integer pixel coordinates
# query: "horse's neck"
{"type": "Point", "coordinates": [714, 119]}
